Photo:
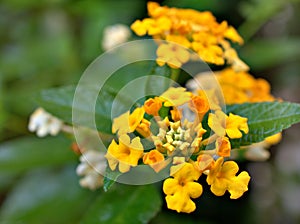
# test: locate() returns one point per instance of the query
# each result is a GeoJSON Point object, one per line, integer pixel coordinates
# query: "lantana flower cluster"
{"type": "Point", "coordinates": [188, 146]}
{"type": "Point", "coordinates": [198, 31]}
{"type": "Point", "coordinates": [185, 134]}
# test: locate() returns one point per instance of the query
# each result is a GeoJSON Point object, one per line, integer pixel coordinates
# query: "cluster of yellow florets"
{"type": "Point", "coordinates": [180, 142]}
{"type": "Point", "coordinates": [198, 31]}
{"type": "Point", "coordinates": [241, 87]}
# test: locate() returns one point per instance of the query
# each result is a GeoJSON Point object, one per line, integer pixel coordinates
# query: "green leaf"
{"type": "Point", "coordinates": [46, 196]}
{"type": "Point", "coordinates": [59, 102]}
{"type": "Point", "coordinates": [110, 178]}
{"type": "Point", "coordinates": [265, 119]}
{"type": "Point", "coordinates": [125, 204]}
{"type": "Point", "coordinates": [110, 102]}
{"type": "Point", "coordinates": [26, 153]}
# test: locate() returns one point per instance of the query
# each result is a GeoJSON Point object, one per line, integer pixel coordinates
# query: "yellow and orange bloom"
{"type": "Point", "coordinates": [179, 139]}
{"type": "Point", "coordinates": [242, 87]}
{"type": "Point", "coordinates": [151, 26]}
{"type": "Point", "coordinates": [182, 188]}
{"type": "Point", "coordinates": [222, 177]}
{"type": "Point", "coordinates": [192, 29]}
{"type": "Point", "coordinates": [126, 154]}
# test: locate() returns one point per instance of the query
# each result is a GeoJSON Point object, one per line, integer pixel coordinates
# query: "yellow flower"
{"type": "Point", "coordinates": [144, 128]}
{"type": "Point", "coordinates": [121, 124]}
{"type": "Point", "coordinates": [155, 10]}
{"type": "Point", "coordinates": [172, 54]}
{"type": "Point", "coordinates": [127, 122]}
{"type": "Point", "coordinates": [222, 177]}
{"type": "Point", "coordinates": [209, 53]}
{"type": "Point", "coordinates": [182, 188]}
{"type": "Point", "coordinates": [151, 26]}
{"type": "Point", "coordinates": [175, 96]}
{"type": "Point", "coordinates": [223, 146]}
{"type": "Point", "coordinates": [180, 40]}
{"type": "Point", "coordinates": [152, 106]}
{"type": "Point", "coordinates": [242, 87]}
{"type": "Point", "coordinates": [126, 154]}
{"type": "Point", "coordinates": [231, 125]}
{"type": "Point", "coordinates": [233, 35]}
{"type": "Point", "coordinates": [155, 159]}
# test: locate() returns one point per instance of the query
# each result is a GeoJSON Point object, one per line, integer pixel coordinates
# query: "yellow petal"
{"type": "Point", "coordinates": [135, 118]}
{"type": "Point", "coordinates": [212, 175]}
{"type": "Point", "coordinates": [233, 35]}
{"type": "Point", "coordinates": [187, 172]}
{"type": "Point", "coordinates": [215, 124]}
{"type": "Point", "coordinates": [175, 96]}
{"type": "Point", "coordinates": [121, 124]}
{"type": "Point", "coordinates": [180, 203]}
{"type": "Point", "coordinates": [194, 189]}
{"type": "Point", "coordinates": [233, 133]}
{"type": "Point", "coordinates": [219, 187]}
{"type": "Point", "coordinates": [124, 167]}
{"type": "Point", "coordinates": [171, 186]}
{"type": "Point", "coordinates": [239, 185]}
{"type": "Point", "coordinates": [229, 169]}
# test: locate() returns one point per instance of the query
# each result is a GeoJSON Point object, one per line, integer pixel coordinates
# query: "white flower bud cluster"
{"type": "Point", "coordinates": [115, 35]}
{"type": "Point", "coordinates": [44, 123]}
{"type": "Point", "coordinates": [93, 164]}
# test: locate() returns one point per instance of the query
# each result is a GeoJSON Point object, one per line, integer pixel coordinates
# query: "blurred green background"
{"type": "Point", "coordinates": [50, 43]}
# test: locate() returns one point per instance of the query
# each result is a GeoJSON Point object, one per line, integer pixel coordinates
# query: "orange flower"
{"type": "Point", "coordinates": [152, 106]}
{"type": "Point", "coordinates": [155, 159]}
{"type": "Point", "coordinates": [176, 114]}
{"type": "Point", "coordinates": [223, 146]}
{"type": "Point", "coordinates": [199, 105]}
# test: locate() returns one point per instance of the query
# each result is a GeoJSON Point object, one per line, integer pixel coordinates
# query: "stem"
{"type": "Point", "coordinates": [209, 152]}
{"type": "Point", "coordinates": [67, 129]}
{"type": "Point", "coordinates": [209, 140]}
{"type": "Point", "coordinates": [174, 74]}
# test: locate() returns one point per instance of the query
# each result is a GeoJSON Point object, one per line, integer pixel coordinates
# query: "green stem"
{"type": "Point", "coordinates": [174, 74]}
